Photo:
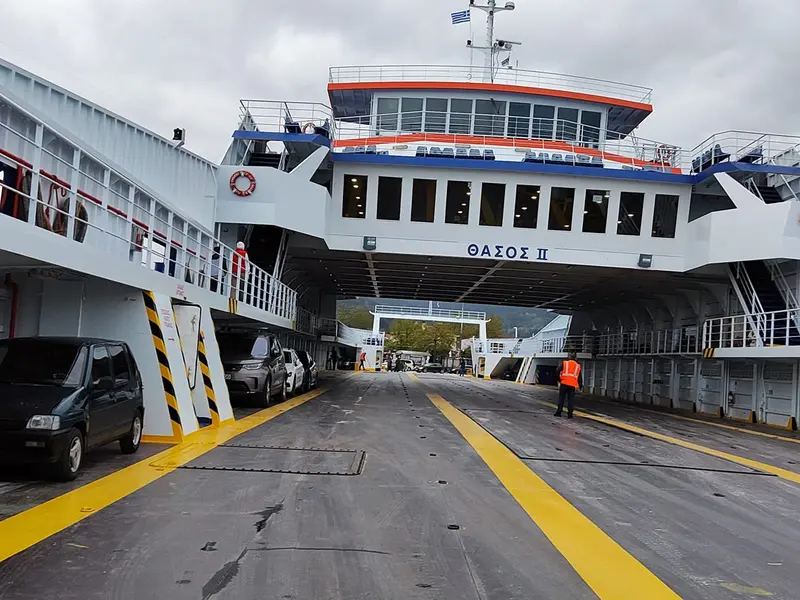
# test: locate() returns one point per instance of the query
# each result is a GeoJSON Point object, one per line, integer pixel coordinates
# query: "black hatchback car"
{"type": "Point", "coordinates": [60, 397]}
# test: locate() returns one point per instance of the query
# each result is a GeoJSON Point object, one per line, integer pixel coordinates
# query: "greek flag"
{"type": "Point", "coordinates": [460, 17]}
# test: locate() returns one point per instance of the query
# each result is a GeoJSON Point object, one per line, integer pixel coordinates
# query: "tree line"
{"type": "Point", "coordinates": [437, 339]}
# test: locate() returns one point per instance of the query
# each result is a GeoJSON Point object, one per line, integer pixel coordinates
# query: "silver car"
{"type": "Point", "coordinates": [254, 366]}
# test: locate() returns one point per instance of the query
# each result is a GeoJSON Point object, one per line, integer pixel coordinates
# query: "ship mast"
{"type": "Point", "coordinates": [492, 47]}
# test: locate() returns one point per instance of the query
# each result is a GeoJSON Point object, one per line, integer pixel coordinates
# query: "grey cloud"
{"type": "Point", "coordinates": [713, 64]}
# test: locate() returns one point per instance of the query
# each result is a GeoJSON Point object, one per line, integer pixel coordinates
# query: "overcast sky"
{"type": "Point", "coordinates": [714, 64]}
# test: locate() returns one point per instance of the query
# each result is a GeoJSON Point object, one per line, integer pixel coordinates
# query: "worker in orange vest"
{"type": "Point", "coordinates": [362, 359]}
{"type": "Point", "coordinates": [239, 260]}
{"type": "Point", "coordinates": [570, 379]}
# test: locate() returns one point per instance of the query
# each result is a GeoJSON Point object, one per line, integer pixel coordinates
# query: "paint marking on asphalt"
{"type": "Point", "coordinates": [30, 527]}
{"type": "Point", "coordinates": [607, 568]}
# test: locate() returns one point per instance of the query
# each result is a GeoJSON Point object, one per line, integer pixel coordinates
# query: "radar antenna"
{"type": "Point", "coordinates": [493, 48]}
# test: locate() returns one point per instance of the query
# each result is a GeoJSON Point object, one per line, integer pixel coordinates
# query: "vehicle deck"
{"type": "Point", "coordinates": [465, 489]}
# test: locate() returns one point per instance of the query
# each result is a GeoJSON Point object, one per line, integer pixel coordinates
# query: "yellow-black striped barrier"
{"type": "Point", "coordinates": [708, 352]}
{"type": "Point", "coordinates": [163, 363]}
{"type": "Point", "coordinates": [205, 372]}
{"type": "Point", "coordinates": [233, 305]}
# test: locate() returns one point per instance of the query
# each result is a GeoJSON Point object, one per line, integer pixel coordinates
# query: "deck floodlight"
{"type": "Point", "coordinates": [645, 260]}
{"type": "Point", "coordinates": [510, 6]}
{"type": "Point", "coordinates": [370, 243]}
{"type": "Point", "coordinates": [179, 136]}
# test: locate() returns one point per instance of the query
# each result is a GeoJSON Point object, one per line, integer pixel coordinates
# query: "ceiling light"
{"type": "Point", "coordinates": [619, 222]}
{"type": "Point", "coordinates": [361, 212]}
{"type": "Point", "coordinates": [463, 204]}
{"type": "Point", "coordinates": [541, 281]}
{"type": "Point", "coordinates": [469, 193]}
{"type": "Point", "coordinates": [566, 226]}
{"type": "Point", "coordinates": [354, 180]}
{"type": "Point", "coordinates": [586, 212]}
{"type": "Point", "coordinates": [524, 208]}
{"type": "Point", "coordinates": [358, 197]}
{"type": "Point", "coordinates": [461, 212]}
{"type": "Point", "coordinates": [630, 215]}
{"type": "Point", "coordinates": [517, 216]}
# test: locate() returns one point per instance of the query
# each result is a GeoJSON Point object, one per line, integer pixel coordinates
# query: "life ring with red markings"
{"type": "Point", "coordinates": [235, 179]}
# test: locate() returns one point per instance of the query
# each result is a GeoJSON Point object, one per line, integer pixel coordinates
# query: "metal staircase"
{"type": "Point", "coordinates": [769, 304]}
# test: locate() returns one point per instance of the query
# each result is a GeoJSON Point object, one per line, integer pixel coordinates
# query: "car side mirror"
{"type": "Point", "coordinates": [104, 383]}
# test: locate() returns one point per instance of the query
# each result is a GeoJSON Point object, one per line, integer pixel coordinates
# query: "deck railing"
{"type": "Point", "coordinates": [274, 115]}
{"type": "Point", "coordinates": [746, 146]}
{"type": "Point", "coordinates": [775, 328]}
{"type": "Point", "coordinates": [679, 340]}
{"type": "Point", "coordinates": [508, 136]}
{"type": "Point", "coordinates": [521, 77]}
{"type": "Point", "coordinates": [413, 311]}
{"type": "Point", "coordinates": [68, 192]}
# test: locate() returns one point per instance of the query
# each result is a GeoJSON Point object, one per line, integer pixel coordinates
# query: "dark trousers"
{"type": "Point", "coordinates": [566, 392]}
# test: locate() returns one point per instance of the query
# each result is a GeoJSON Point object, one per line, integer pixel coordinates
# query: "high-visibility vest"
{"type": "Point", "coordinates": [570, 372]}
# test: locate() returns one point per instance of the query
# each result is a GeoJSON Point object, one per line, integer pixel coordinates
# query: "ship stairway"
{"type": "Point", "coordinates": [768, 302]}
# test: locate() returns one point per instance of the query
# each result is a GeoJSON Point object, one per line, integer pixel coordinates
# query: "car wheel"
{"type": "Point", "coordinates": [130, 443]}
{"type": "Point", "coordinates": [283, 394]}
{"type": "Point", "coordinates": [69, 463]}
{"type": "Point", "coordinates": [266, 395]}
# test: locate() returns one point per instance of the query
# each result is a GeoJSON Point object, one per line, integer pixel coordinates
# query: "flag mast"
{"type": "Point", "coordinates": [492, 47]}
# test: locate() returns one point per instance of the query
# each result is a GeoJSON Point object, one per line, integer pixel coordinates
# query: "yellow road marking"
{"type": "Point", "coordinates": [741, 460]}
{"type": "Point", "coordinates": [607, 568]}
{"type": "Point", "coordinates": [729, 427]}
{"type": "Point", "coordinates": [27, 528]}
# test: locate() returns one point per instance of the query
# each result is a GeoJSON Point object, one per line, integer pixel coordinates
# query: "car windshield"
{"type": "Point", "coordinates": [243, 345]}
{"type": "Point", "coordinates": [42, 362]}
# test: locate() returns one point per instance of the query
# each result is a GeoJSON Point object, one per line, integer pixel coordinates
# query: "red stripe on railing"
{"type": "Point", "coordinates": [178, 244]}
{"type": "Point", "coordinates": [140, 224]}
{"type": "Point", "coordinates": [16, 158]}
{"type": "Point", "coordinates": [55, 179]}
{"type": "Point", "coordinates": [159, 234]}
{"type": "Point", "coordinates": [117, 211]}
{"type": "Point", "coordinates": [92, 198]}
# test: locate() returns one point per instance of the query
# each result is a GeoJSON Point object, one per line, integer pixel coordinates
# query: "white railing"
{"type": "Point", "coordinates": [412, 311]}
{"type": "Point", "coordinates": [562, 344]}
{"type": "Point", "coordinates": [306, 321]}
{"type": "Point", "coordinates": [738, 332]}
{"type": "Point", "coordinates": [510, 136]}
{"type": "Point", "coordinates": [286, 117]}
{"type": "Point", "coordinates": [679, 340]}
{"type": "Point", "coordinates": [748, 297]}
{"type": "Point", "coordinates": [523, 77]}
{"type": "Point", "coordinates": [368, 338]}
{"type": "Point", "coordinates": [76, 196]}
{"type": "Point", "coordinates": [746, 146]}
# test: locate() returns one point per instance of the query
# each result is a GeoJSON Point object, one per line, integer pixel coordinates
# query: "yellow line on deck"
{"type": "Point", "coordinates": [747, 462]}
{"type": "Point", "coordinates": [30, 527]}
{"type": "Point", "coordinates": [607, 568]}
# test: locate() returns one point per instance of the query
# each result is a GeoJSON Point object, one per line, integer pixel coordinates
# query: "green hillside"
{"type": "Point", "coordinates": [527, 320]}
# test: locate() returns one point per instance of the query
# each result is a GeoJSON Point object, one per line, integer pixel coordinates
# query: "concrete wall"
{"type": "Point", "coordinates": [568, 247]}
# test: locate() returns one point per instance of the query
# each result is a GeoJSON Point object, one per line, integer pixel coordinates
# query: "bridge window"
{"type": "Point", "coordinates": [595, 211]}
{"type": "Point", "coordinates": [387, 113]}
{"type": "Point", "coordinates": [567, 126]}
{"type": "Point", "coordinates": [490, 117]}
{"type": "Point", "coordinates": [492, 201]}
{"type": "Point", "coordinates": [460, 116]}
{"type": "Point", "coordinates": [543, 117]}
{"type": "Point", "coordinates": [423, 200]}
{"type": "Point", "coordinates": [411, 114]}
{"type": "Point", "coordinates": [526, 207]}
{"type": "Point", "coordinates": [354, 196]}
{"type": "Point", "coordinates": [561, 203]}
{"type": "Point", "coordinates": [435, 114]}
{"type": "Point", "coordinates": [665, 216]}
{"type": "Point", "coordinates": [519, 119]}
{"type": "Point", "coordinates": [389, 192]}
{"type": "Point", "coordinates": [457, 206]}
{"type": "Point", "coordinates": [590, 128]}
{"type": "Point", "coordinates": [631, 206]}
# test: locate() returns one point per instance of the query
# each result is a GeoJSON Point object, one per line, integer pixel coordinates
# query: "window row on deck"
{"type": "Point", "coordinates": [562, 203]}
{"type": "Point", "coordinates": [489, 117]}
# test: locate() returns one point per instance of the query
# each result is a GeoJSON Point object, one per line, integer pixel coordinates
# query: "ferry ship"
{"type": "Point", "coordinates": [671, 272]}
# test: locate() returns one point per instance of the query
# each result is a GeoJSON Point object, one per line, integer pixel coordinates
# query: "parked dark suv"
{"type": "Point", "coordinates": [254, 365]}
{"type": "Point", "coordinates": [60, 397]}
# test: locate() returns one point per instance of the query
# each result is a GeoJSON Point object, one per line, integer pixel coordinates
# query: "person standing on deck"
{"type": "Point", "coordinates": [362, 359]}
{"type": "Point", "coordinates": [240, 260]}
{"type": "Point", "coordinates": [570, 379]}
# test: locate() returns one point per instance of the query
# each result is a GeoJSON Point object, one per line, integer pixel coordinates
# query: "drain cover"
{"type": "Point", "coordinates": [254, 458]}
